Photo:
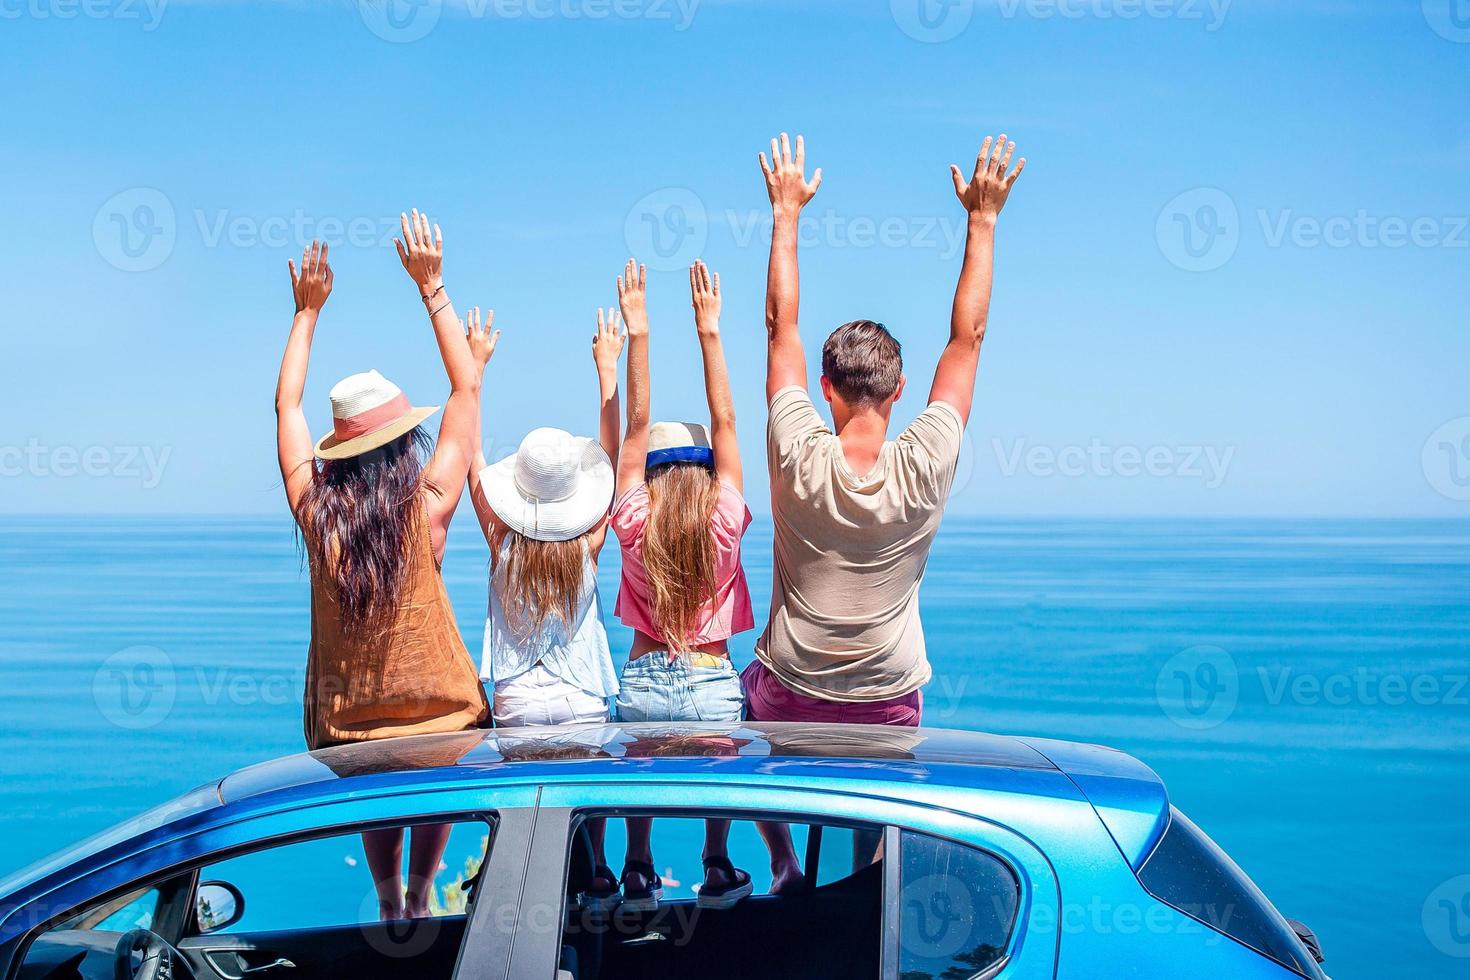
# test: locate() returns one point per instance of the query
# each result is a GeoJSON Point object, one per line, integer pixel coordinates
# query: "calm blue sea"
{"type": "Point", "coordinates": [1301, 686]}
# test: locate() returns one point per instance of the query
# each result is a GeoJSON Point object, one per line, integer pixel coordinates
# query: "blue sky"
{"type": "Point", "coordinates": [1233, 279]}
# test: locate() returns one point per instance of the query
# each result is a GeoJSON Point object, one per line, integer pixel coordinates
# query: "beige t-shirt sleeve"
{"type": "Point", "coordinates": [930, 448]}
{"type": "Point", "coordinates": [791, 431]}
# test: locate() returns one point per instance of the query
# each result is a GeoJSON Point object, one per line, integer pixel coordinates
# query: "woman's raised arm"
{"type": "Point", "coordinates": [422, 254]}
{"type": "Point", "coordinates": [294, 445]}
{"type": "Point", "coordinates": [632, 285]}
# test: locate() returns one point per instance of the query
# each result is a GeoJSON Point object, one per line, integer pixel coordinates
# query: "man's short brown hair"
{"type": "Point", "coordinates": [863, 362]}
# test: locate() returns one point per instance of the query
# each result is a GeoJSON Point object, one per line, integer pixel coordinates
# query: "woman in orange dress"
{"type": "Point", "coordinates": [372, 501]}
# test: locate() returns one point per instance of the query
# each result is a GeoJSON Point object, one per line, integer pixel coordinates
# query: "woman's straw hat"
{"type": "Point", "coordinates": [368, 412]}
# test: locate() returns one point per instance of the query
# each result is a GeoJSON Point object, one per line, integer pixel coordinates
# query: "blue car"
{"type": "Point", "coordinates": [927, 854]}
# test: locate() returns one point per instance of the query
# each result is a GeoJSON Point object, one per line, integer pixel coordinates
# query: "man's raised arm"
{"type": "Point", "coordinates": [983, 197]}
{"type": "Point", "coordinates": [787, 186]}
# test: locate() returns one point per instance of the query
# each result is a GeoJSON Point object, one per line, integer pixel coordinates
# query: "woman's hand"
{"type": "Point", "coordinates": [314, 284]}
{"type": "Point", "coordinates": [481, 339]}
{"type": "Point", "coordinates": [986, 192]}
{"type": "Point", "coordinates": [706, 292]}
{"type": "Point", "coordinates": [786, 183]}
{"type": "Point", "coordinates": [632, 295]}
{"type": "Point", "coordinates": [421, 253]}
{"type": "Point", "coordinates": [607, 343]}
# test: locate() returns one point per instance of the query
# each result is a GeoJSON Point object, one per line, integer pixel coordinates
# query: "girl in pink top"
{"type": "Point", "coordinates": [679, 517]}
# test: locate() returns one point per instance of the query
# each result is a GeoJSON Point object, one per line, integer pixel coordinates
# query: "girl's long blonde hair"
{"type": "Point", "coordinates": [542, 580]}
{"type": "Point", "coordinates": [679, 548]}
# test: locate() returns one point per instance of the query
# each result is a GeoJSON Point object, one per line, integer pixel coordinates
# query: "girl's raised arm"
{"type": "Point", "coordinates": [705, 290]}
{"type": "Point", "coordinates": [482, 341]}
{"type": "Point", "coordinates": [632, 285]}
{"type": "Point", "coordinates": [294, 444]}
{"type": "Point", "coordinates": [607, 347]}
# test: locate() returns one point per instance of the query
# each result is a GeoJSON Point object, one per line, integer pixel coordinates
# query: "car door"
{"type": "Point", "coordinates": [922, 925]}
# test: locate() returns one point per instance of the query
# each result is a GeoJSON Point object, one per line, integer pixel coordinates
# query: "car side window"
{"type": "Point", "coordinates": [344, 880]}
{"type": "Point", "coordinates": [957, 908]}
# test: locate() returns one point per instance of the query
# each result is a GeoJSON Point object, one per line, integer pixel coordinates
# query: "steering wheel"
{"type": "Point", "coordinates": [144, 955]}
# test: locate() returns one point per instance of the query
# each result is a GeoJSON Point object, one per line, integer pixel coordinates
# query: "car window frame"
{"type": "Point", "coordinates": [1032, 951]}
{"type": "Point", "coordinates": [481, 953]}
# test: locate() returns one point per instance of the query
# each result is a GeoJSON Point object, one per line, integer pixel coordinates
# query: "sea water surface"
{"type": "Point", "coordinates": [1299, 685]}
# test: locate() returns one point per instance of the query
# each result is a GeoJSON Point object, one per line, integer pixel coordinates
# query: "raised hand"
{"type": "Point", "coordinates": [313, 284]}
{"type": "Point", "coordinates": [705, 290]}
{"type": "Point", "coordinates": [786, 182]}
{"type": "Point", "coordinates": [986, 192]}
{"type": "Point", "coordinates": [632, 298]}
{"type": "Point", "coordinates": [481, 338]}
{"type": "Point", "coordinates": [607, 343]}
{"type": "Point", "coordinates": [422, 253]}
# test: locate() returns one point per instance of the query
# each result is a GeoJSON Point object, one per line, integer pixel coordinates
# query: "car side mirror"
{"type": "Point", "coordinates": [1308, 937]}
{"type": "Point", "coordinates": [217, 904]}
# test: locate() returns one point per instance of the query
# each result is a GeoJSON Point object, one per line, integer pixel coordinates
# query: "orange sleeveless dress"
{"type": "Point", "coordinates": [409, 676]}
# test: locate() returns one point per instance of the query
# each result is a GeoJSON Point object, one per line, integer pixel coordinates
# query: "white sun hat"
{"type": "Point", "coordinates": [368, 411]}
{"type": "Point", "coordinates": [555, 488]}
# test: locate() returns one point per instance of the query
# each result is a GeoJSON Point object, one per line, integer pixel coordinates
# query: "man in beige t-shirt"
{"type": "Point", "coordinates": [855, 513]}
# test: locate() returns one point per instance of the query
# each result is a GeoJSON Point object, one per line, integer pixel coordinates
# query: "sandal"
{"type": "Point", "coordinates": [740, 886]}
{"type": "Point", "coordinates": [606, 898]}
{"type": "Point", "coordinates": [643, 899]}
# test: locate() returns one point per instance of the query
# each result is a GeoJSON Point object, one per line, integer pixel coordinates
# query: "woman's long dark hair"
{"type": "Point", "coordinates": [356, 519]}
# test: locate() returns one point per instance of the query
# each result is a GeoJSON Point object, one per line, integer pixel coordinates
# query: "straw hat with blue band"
{"type": "Point", "coordinates": [678, 442]}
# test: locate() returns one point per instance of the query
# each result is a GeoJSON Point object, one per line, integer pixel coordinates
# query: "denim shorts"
{"type": "Point", "coordinates": [658, 688]}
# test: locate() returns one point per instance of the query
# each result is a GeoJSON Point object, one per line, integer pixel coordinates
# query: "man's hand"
{"type": "Point", "coordinates": [632, 298]}
{"type": "Point", "coordinates": [786, 182]}
{"type": "Point", "coordinates": [989, 186]}
{"type": "Point", "coordinates": [705, 290]}
{"type": "Point", "coordinates": [421, 253]}
{"type": "Point", "coordinates": [607, 343]}
{"type": "Point", "coordinates": [312, 287]}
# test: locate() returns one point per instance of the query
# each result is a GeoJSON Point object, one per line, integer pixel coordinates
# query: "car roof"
{"type": "Point", "coordinates": [1127, 796]}
{"type": "Point", "coordinates": [608, 748]}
